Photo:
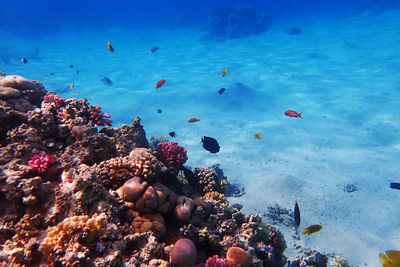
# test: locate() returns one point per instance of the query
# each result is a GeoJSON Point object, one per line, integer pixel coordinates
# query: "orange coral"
{"type": "Point", "coordinates": [238, 255]}
{"type": "Point", "coordinates": [60, 235]}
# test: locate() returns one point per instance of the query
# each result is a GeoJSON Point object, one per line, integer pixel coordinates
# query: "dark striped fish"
{"type": "Point", "coordinates": [296, 214]}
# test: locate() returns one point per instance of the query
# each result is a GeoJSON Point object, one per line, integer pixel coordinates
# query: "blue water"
{"type": "Point", "coordinates": [342, 70]}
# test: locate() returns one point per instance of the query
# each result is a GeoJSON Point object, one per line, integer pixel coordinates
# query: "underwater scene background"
{"type": "Point", "coordinates": [337, 62]}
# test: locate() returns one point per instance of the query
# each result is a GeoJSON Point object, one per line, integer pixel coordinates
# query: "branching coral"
{"type": "Point", "coordinates": [209, 180]}
{"type": "Point", "coordinates": [41, 162]}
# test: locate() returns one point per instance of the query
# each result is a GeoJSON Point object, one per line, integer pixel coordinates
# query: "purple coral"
{"type": "Point", "coordinates": [216, 261]}
{"type": "Point", "coordinates": [171, 154]}
{"type": "Point", "coordinates": [41, 162]}
{"type": "Point", "coordinates": [98, 117]}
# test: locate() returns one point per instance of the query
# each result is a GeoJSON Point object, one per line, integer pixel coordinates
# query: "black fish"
{"type": "Point", "coordinates": [395, 186]}
{"type": "Point", "coordinates": [77, 71]}
{"type": "Point", "coordinates": [220, 91]}
{"type": "Point", "coordinates": [71, 66]}
{"type": "Point", "coordinates": [210, 144]}
{"type": "Point", "coordinates": [172, 134]}
{"type": "Point", "coordinates": [296, 214]}
{"type": "Point", "coordinates": [154, 49]}
{"type": "Point", "coordinates": [106, 81]}
{"type": "Point", "coordinates": [24, 60]}
{"type": "Point", "coordinates": [159, 111]}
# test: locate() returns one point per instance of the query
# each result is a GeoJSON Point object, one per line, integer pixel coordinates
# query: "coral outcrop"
{"type": "Point", "coordinates": [71, 195]}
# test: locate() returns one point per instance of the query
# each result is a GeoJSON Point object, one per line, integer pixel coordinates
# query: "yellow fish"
{"type": "Point", "coordinates": [312, 229]}
{"type": "Point", "coordinates": [109, 46]}
{"type": "Point", "coordinates": [224, 72]}
{"type": "Point", "coordinates": [258, 136]}
{"type": "Point", "coordinates": [390, 258]}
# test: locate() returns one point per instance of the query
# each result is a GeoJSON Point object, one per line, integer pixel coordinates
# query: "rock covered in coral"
{"type": "Point", "coordinates": [209, 180]}
{"type": "Point", "coordinates": [15, 86]}
{"type": "Point", "coordinates": [236, 21]}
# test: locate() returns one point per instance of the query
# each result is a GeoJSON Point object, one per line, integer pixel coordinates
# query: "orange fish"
{"type": "Point", "coordinates": [292, 113]}
{"type": "Point", "coordinates": [109, 46]}
{"type": "Point", "coordinates": [193, 120]}
{"type": "Point", "coordinates": [160, 83]}
{"type": "Point", "coordinates": [72, 86]}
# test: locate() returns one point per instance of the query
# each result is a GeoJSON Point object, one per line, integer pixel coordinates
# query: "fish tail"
{"type": "Point", "coordinates": [299, 115]}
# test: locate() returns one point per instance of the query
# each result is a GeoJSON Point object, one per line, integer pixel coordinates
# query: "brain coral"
{"type": "Point", "coordinates": [59, 237]}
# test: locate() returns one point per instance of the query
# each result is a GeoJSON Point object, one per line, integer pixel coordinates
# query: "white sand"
{"type": "Point", "coordinates": [344, 75]}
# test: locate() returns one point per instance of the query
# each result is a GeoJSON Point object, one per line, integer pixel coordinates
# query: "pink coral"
{"type": "Point", "coordinates": [55, 100]}
{"type": "Point", "coordinates": [41, 162]}
{"type": "Point", "coordinates": [171, 154]}
{"type": "Point", "coordinates": [98, 117]}
{"type": "Point", "coordinates": [216, 261]}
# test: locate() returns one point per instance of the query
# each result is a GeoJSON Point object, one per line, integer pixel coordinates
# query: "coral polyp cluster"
{"type": "Point", "coordinates": [41, 162]}
{"type": "Point", "coordinates": [71, 195]}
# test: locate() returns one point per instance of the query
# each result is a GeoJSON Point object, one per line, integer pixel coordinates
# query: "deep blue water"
{"type": "Point", "coordinates": [42, 17]}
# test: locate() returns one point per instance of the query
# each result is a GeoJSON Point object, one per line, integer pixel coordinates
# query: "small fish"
{"type": "Point", "coordinates": [160, 83]}
{"type": "Point", "coordinates": [106, 81]}
{"type": "Point", "coordinates": [71, 66]}
{"type": "Point", "coordinates": [220, 91]}
{"type": "Point", "coordinates": [77, 94]}
{"type": "Point", "coordinates": [154, 49]}
{"type": "Point", "coordinates": [52, 74]}
{"type": "Point", "coordinates": [258, 136]}
{"type": "Point", "coordinates": [390, 258]}
{"type": "Point", "coordinates": [193, 120]}
{"type": "Point", "coordinates": [224, 72]}
{"type": "Point", "coordinates": [77, 71]}
{"type": "Point", "coordinates": [210, 144]}
{"type": "Point", "coordinates": [296, 214]}
{"type": "Point", "coordinates": [24, 60]}
{"type": "Point", "coordinates": [395, 186]}
{"type": "Point", "coordinates": [292, 113]}
{"type": "Point", "coordinates": [72, 86]}
{"type": "Point", "coordinates": [173, 134]}
{"type": "Point", "coordinates": [109, 46]}
{"type": "Point", "coordinates": [159, 111]}
{"type": "Point", "coordinates": [312, 229]}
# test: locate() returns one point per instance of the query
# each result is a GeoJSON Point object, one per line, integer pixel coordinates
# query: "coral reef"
{"type": "Point", "coordinates": [236, 21]}
{"type": "Point", "coordinates": [71, 195]}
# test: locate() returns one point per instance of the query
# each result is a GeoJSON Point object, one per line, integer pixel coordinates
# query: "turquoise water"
{"type": "Point", "coordinates": [342, 71]}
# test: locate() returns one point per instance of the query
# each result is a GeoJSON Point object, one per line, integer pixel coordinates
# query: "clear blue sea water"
{"type": "Point", "coordinates": [342, 70]}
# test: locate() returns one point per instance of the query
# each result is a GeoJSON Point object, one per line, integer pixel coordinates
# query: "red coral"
{"type": "Point", "coordinates": [41, 162]}
{"type": "Point", "coordinates": [98, 117]}
{"type": "Point", "coordinates": [171, 154]}
{"type": "Point", "coordinates": [216, 261]}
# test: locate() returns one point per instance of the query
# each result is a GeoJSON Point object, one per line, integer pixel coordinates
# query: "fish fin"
{"type": "Point", "coordinates": [384, 258]}
{"type": "Point", "coordinates": [299, 115]}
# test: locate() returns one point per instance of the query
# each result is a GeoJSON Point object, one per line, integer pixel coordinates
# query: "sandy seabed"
{"type": "Point", "coordinates": [343, 74]}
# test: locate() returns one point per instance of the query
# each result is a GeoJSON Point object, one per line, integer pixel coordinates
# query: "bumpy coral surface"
{"type": "Point", "coordinates": [172, 155]}
{"type": "Point", "coordinates": [81, 229]}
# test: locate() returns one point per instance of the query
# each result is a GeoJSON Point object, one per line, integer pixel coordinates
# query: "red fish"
{"type": "Point", "coordinates": [193, 120]}
{"type": "Point", "coordinates": [160, 83]}
{"type": "Point", "coordinates": [292, 113]}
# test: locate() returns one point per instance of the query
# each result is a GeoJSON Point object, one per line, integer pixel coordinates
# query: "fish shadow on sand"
{"type": "Point", "coordinates": [241, 97]}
